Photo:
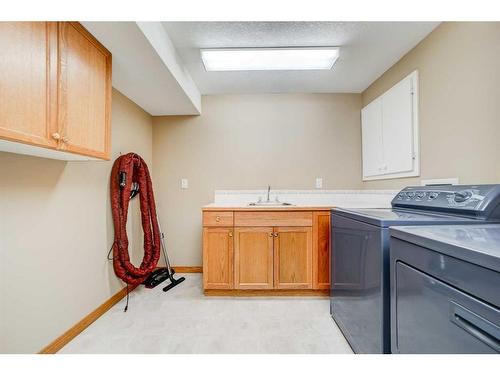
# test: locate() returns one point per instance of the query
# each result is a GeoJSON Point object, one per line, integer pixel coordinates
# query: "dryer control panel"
{"type": "Point", "coordinates": [471, 200]}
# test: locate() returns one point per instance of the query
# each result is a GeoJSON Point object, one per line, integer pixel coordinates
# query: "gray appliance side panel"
{"type": "Point", "coordinates": [357, 300]}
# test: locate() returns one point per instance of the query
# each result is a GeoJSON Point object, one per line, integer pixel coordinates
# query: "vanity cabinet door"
{"type": "Point", "coordinates": [217, 258]}
{"type": "Point", "coordinates": [253, 258]}
{"type": "Point", "coordinates": [293, 258]}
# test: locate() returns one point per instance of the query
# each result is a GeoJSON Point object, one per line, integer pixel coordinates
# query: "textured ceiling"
{"type": "Point", "coordinates": [367, 49]}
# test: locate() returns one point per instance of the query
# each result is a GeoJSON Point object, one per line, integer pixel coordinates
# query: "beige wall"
{"type": "Point", "coordinates": [55, 231]}
{"type": "Point", "coordinates": [459, 82]}
{"type": "Point", "coordinates": [248, 142]}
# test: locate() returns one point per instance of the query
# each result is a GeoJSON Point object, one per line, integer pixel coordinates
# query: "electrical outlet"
{"type": "Point", "coordinates": [184, 183]}
{"type": "Point", "coordinates": [319, 183]}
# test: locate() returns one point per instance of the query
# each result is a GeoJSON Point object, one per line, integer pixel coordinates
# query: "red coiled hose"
{"type": "Point", "coordinates": [127, 169]}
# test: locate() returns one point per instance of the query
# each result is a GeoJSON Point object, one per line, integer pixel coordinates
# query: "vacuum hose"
{"type": "Point", "coordinates": [128, 170]}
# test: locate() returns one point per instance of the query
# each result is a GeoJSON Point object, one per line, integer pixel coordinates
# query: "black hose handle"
{"type": "Point", "coordinates": [123, 179]}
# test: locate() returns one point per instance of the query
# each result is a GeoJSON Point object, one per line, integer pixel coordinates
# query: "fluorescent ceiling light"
{"type": "Point", "coordinates": [234, 59]}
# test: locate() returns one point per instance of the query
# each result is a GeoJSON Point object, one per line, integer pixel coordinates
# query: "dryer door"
{"type": "Point", "coordinates": [433, 317]}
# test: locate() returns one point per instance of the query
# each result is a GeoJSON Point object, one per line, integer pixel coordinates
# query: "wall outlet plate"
{"type": "Point", "coordinates": [319, 183]}
{"type": "Point", "coordinates": [184, 183]}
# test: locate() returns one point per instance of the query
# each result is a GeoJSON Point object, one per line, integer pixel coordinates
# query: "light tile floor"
{"type": "Point", "coordinates": [184, 321]}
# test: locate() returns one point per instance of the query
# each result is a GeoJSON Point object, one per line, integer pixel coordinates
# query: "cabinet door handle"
{"type": "Point", "coordinates": [56, 136]}
{"type": "Point", "coordinates": [276, 234]}
{"type": "Point", "coordinates": [65, 139]}
{"type": "Point", "coordinates": [217, 218]}
{"type": "Point", "coordinates": [230, 234]}
{"type": "Point", "coordinates": [271, 234]}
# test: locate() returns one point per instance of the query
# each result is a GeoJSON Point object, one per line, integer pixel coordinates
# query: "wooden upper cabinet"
{"type": "Point", "coordinates": [253, 258]}
{"type": "Point", "coordinates": [321, 250]}
{"type": "Point", "coordinates": [293, 258]}
{"type": "Point", "coordinates": [84, 92]}
{"type": "Point", "coordinates": [218, 258]}
{"type": "Point", "coordinates": [55, 91]}
{"type": "Point", "coordinates": [28, 71]}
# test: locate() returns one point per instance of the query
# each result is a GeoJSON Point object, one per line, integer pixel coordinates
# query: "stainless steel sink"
{"type": "Point", "coordinates": [269, 202]}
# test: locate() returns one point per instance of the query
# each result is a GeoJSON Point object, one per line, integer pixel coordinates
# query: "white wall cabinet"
{"type": "Point", "coordinates": [390, 132]}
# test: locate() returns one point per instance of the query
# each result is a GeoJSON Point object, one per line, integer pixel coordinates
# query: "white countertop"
{"type": "Point", "coordinates": [304, 198]}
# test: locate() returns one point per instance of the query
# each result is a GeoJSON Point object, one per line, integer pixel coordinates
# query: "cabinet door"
{"type": "Point", "coordinates": [218, 258]}
{"type": "Point", "coordinates": [372, 143]}
{"type": "Point", "coordinates": [321, 250]}
{"type": "Point", "coordinates": [293, 258]}
{"type": "Point", "coordinates": [397, 129]}
{"type": "Point", "coordinates": [253, 258]}
{"type": "Point", "coordinates": [28, 70]}
{"type": "Point", "coordinates": [84, 92]}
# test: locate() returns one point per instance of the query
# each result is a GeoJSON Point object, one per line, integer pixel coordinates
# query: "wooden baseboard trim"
{"type": "Point", "coordinates": [267, 293]}
{"type": "Point", "coordinates": [79, 327]}
{"type": "Point", "coordinates": [188, 269]}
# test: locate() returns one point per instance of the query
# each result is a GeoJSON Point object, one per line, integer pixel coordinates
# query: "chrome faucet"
{"type": "Point", "coordinates": [268, 191]}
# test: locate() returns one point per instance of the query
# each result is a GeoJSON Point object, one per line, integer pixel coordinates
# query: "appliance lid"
{"type": "Point", "coordinates": [478, 244]}
{"type": "Point", "coordinates": [385, 217]}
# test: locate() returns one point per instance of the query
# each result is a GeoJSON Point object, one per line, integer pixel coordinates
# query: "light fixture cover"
{"type": "Point", "coordinates": [236, 59]}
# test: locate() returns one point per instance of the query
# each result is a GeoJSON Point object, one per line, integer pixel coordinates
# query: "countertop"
{"type": "Point", "coordinates": [298, 207]}
{"type": "Point", "coordinates": [302, 200]}
{"type": "Point", "coordinates": [246, 207]}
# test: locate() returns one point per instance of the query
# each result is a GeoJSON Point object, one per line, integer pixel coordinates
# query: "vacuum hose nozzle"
{"type": "Point", "coordinates": [123, 179]}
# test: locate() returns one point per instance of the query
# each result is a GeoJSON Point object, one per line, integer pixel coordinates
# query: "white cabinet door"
{"type": "Point", "coordinates": [390, 132]}
{"type": "Point", "coordinates": [397, 129]}
{"type": "Point", "coordinates": [371, 120]}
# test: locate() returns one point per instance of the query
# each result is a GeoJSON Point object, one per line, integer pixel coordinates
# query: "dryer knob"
{"type": "Point", "coordinates": [462, 196]}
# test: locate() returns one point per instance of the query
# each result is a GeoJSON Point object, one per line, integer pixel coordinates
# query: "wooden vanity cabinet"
{"type": "Point", "coordinates": [280, 251]}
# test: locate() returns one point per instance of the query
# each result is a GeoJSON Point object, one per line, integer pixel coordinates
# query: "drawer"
{"type": "Point", "coordinates": [273, 218]}
{"type": "Point", "coordinates": [217, 218]}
